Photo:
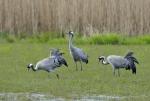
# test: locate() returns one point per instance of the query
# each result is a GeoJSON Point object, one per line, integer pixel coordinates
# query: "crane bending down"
{"type": "Point", "coordinates": [50, 63]}
{"type": "Point", "coordinates": [117, 62]}
{"type": "Point", "coordinates": [77, 53]}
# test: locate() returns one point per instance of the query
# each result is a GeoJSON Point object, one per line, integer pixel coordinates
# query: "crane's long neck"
{"type": "Point", "coordinates": [70, 41]}
{"type": "Point", "coordinates": [104, 61]}
{"type": "Point", "coordinates": [33, 68]}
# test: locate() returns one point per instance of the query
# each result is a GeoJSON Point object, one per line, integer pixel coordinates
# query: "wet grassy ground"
{"type": "Point", "coordinates": [95, 79]}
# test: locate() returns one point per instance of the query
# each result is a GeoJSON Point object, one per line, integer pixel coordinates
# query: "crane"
{"type": "Point", "coordinates": [117, 62]}
{"type": "Point", "coordinates": [77, 53]}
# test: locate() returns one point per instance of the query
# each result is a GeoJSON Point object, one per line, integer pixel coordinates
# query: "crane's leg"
{"type": "Point", "coordinates": [118, 73]}
{"type": "Point", "coordinates": [76, 66]}
{"type": "Point", "coordinates": [114, 72]}
{"type": "Point", "coordinates": [57, 76]}
{"type": "Point", "coordinates": [81, 65]}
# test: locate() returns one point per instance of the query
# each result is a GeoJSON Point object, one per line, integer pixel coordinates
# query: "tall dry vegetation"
{"type": "Point", "coordinates": [84, 16]}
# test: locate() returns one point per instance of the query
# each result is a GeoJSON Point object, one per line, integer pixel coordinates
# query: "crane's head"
{"type": "Point", "coordinates": [101, 58]}
{"type": "Point", "coordinates": [70, 33]}
{"type": "Point", "coordinates": [29, 66]}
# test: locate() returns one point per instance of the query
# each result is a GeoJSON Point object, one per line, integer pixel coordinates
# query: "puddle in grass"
{"type": "Point", "coordinates": [46, 97]}
{"type": "Point", "coordinates": [27, 97]}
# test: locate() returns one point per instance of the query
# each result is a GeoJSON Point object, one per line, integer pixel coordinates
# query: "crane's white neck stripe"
{"type": "Point", "coordinates": [70, 41]}
{"type": "Point", "coordinates": [105, 62]}
{"type": "Point", "coordinates": [36, 67]}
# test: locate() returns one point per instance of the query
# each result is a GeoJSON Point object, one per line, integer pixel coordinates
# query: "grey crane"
{"type": "Point", "coordinates": [77, 53]}
{"type": "Point", "coordinates": [117, 62]}
{"type": "Point", "coordinates": [50, 63]}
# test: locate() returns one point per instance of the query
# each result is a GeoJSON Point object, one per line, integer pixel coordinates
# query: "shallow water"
{"type": "Point", "coordinates": [46, 97]}
{"type": "Point", "coordinates": [27, 97]}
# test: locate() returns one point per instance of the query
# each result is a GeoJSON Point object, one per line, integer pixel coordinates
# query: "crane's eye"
{"type": "Point", "coordinates": [70, 32]}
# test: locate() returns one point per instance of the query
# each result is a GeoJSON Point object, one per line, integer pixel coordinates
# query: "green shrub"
{"type": "Point", "coordinates": [11, 38]}
{"type": "Point", "coordinates": [145, 39]}
{"type": "Point", "coordinates": [57, 41]}
{"type": "Point", "coordinates": [44, 37]}
{"type": "Point", "coordinates": [105, 39]}
{"type": "Point", "coordinates": [96, 39]}
{"type": "Point", "coordinates": [53, 37]}
{"type": "Point", "coordinates": [111, 39]}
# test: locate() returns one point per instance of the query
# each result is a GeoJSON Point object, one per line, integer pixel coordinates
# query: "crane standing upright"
{"type": "Point", "coordinates": [77, 53]}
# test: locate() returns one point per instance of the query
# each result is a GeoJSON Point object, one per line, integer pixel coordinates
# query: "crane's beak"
{"type": "Point", "coordinates": [99, 59]}
{"type": "Point", "coordinates": [28, 67]}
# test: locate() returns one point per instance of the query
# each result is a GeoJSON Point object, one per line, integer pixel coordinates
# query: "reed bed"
{"type": "Point", "coordinates": [129, 17]}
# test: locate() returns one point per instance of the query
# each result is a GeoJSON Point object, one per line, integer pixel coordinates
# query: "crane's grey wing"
{"type": "Point", "coordinates": [48, 64]}
{"type": "Point", "coordinates": [117, 61]}
{"type": "Point", "coordinates": [80, 55]}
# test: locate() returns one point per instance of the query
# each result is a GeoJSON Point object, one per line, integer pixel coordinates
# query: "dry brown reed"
{"type": "Point", "coordinates": [131, 17]}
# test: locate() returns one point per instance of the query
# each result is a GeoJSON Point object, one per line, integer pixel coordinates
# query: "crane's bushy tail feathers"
{"type": "Point", "coordinates": [61, 60]}
{"type": "Point", "coordinates": [65, 63]}
{"type": "Point", "coordinates": [132, 65]}
{"type": "Point", "coordinates": [58, 55]}
{"type": "Point", "coordinates": [132, 60]}
{"type": "Point", "coordinates": [85, 60]}
{"type": "Point", "coordinates": [129, 54]}
{"type": "Point", "coordinates": [56, 52]}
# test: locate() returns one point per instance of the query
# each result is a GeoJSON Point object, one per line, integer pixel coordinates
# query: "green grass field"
{"type": "Point", "coordinates": [95, 79]}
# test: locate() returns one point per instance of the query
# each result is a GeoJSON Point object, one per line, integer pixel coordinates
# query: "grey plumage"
{"type": "Point", "coordinates": [55, 52]}
{"type": "Point", "coordinates": [50, 63]}
{"type": "Point", "coordinates": [117, 62]}
{"type": "Point", "coordinates": [131, 62]}
{"type": "Point", "coordinates": [77, 53]}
